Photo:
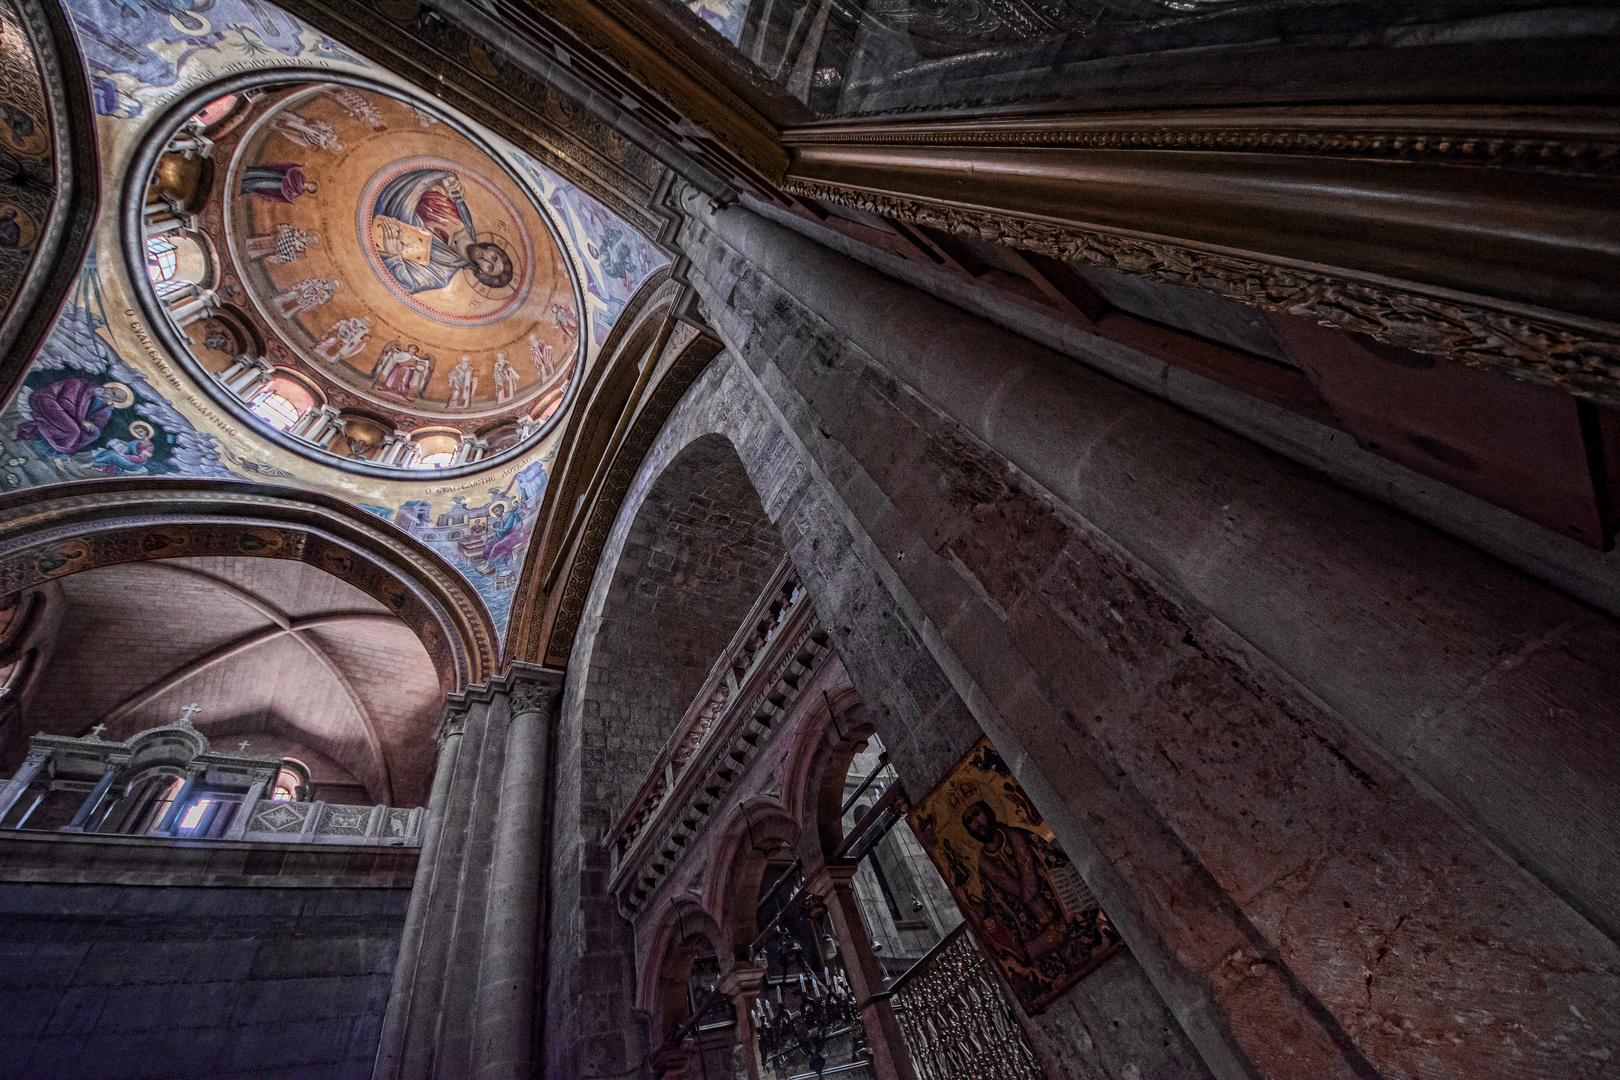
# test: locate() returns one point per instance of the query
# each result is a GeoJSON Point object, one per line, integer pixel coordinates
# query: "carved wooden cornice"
{"type": "Point", "coordinates": [532, 115]}
{"type": "Point", "coordinates": [1578, 355]}
{"type": "Point", "coordinates": [698, 78]}
{"type": "Point", "coordinates": [1576, 141]}
{"type": "Point", "coordinates": [682, 811]}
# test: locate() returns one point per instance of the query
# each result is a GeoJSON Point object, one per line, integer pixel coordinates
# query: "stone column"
{"type": "Point", "coordinates": [199, 305]}
{"type": "Point", "coordinates": [250, 802]}
{"type": "Point", "coordinates": [253, 374]}
{"type": "Point", "coordinates": [168, 225]}
{"type": "Point", "coordinates": [170, 816]}
{"type": "Point", "coordinates": [91, 801]}
{"type": "Point", "coordinates": [742, 985]}
{"type": "Point", "coordinates": [890, 1058]}
{"type": "Point", "coordinates": [391, 1045]}
{"type": "Point", "coordinates": [19, 783]}
{"type": "Point", "coordinates": [465, 986]}
{"type": "Point", "coordinates": [506, 979]}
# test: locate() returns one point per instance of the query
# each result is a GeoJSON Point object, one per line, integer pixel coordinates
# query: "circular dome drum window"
{"type": "Point", "coordinates": [355, 275]}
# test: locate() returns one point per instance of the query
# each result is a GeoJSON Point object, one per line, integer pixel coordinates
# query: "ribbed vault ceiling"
{"type": "Point", "coordinates": [273, 651]}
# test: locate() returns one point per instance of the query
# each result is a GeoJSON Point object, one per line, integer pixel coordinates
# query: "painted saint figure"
{"type": "Point", "coordinates": [315, 134]}
{"type": "Point", "coordinates": [305, 295]}
{"type": "Point", "coordinates": [541, 355]}
{"type": "Point", "coordinates": [66, 415]}
{"type": "Point", "coordinates": [284, 247]}
{"type": "Point", "coordinates": [402, 370]}
{"type": "Point", "coordinates": [10, 231]}
{"type": "Point", "coordinates": [463, 381]}
{"type": "Point", "coordinates": [506, 379]}
{"type": "Point", "coordinates": [277, 181]}
{"type": "Point", "coordinates": [1027, 917]}
{"type": "Point", "coordinates": [344, 339]}
{"type": "Point", "coordinates": [424, 234]}
{"type": "Point", "coordinates": [127, 456]}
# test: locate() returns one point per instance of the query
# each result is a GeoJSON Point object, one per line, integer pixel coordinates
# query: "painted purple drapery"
{"type": "Point", "coordinates": [67, 414]}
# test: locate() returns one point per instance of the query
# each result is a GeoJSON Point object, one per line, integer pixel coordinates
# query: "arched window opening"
{"type": "Point", "coordinates": [281, 403]}
{"type": "Point", "coordinates": [903, 902]}
{"type": "Point", "coordinates": [434, 452]}
{"type": "Point", "coordinates": [173, 263]}
{"type": "Point", "coordinates": [214, 111]}
{"type": "Point", "coordinates": [158, 809]}
{"type": "Point", "coordinates": [292, 782]}
{"type": "Point", "coordinates": [160, 259]}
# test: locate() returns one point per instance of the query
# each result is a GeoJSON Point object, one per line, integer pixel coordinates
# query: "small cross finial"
{"type": "Point", "coordinates": [187, 713]}
{"type": "Point", "coordinates": [95, 732]}
{"type": "Point", "coordinates": [242, 749]}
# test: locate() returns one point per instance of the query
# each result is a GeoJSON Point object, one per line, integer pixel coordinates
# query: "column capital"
{"type": "Point", "coordinates": [831, 876]}
{"type": "Point", "coordinates": [743, 980]}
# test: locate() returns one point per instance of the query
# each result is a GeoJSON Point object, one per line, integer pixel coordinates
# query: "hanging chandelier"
{"type": "Point", "coordinates": [805, 1001]}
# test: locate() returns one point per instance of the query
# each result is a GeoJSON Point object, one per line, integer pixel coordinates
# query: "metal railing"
{"type": "Point", "coordinates": [956, 1019]}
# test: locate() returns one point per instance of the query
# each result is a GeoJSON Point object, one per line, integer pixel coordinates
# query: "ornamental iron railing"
{"type": "Point", "coordinates": [956, 1019]}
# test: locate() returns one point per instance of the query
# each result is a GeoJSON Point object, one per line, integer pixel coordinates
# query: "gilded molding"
{"type": "Point", "coordinates": [1524, 343]}
{"type": "Point", "coordinates": [626, 464]}
{"type": "Point", "coordinates": [661, 61]}
{"type": "Point", "coordinates": [1577, 145]}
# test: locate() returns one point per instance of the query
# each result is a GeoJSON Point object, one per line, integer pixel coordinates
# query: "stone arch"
{"type": "Point", "coordinates": [727, 423]}
{"type": "Point", "coordinates": [51, 83]}
{"type": "Point", "coordinates": [51, 533]}
{"type": "Point", "coordinates": [826, 745]}
{"type": "Point", "coordinates": [683, 930]}
{"type": "Point", "coordinates": [692, 561]}
{"type": "Point", "coordinates": [756, 831]}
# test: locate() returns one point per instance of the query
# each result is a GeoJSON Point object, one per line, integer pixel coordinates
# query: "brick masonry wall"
{"type": "Point", "coordinates": [106, 982]}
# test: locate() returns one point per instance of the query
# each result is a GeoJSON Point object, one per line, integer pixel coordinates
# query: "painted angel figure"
{"type": "Point", "coordinates": [463, 381]}
{"type": "Point", "coordinates": [315, 134]}
{"type": "Point", "coordinates": [424, 234]}
{"type": "Point", "coordinates": [344, 339]}
{"type": "Point", "coordinates": [506, 379]}
{"type": "Point", "coordinates": [285, 246]}
{"type": "Point", "coordinates": [305, 295]}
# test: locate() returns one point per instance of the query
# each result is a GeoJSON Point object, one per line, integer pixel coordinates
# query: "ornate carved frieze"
{"type": "Point", "coordinates": [1585, 143]}
{"type": "Point", "coordinates": [1526, 344]}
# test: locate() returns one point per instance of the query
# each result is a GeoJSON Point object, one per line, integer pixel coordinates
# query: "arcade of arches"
{"type": "Point", "coordinates": [766, 540]}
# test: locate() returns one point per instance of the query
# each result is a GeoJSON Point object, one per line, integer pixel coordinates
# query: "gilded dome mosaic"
{"type": "Point", "coordinates": [362, 275]}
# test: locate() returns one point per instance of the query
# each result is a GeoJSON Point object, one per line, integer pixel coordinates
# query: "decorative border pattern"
{"type": "Point", "coordinates": [626, 464]}
{"type": "Point", "coordinates": [1535, 348]}
{"type": "Point", "coordinates": [100, 523]}
{"type": "Point", "coordinates": [1537, 151]}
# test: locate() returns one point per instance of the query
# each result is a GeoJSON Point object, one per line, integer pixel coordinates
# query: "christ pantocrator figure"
{"type": "Point", "coordinates": [424, 233]}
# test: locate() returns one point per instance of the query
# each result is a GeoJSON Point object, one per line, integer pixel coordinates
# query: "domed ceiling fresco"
{"type": "Point", "coordinates": [378, 257]}
{"type": "Point", "coordinates": [396, 260]}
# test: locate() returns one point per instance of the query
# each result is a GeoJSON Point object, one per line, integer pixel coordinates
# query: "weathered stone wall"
{"type": "Point", "coordinates": [107, 982]}
{"type": "Point", "coordinates": [1345, 784]}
